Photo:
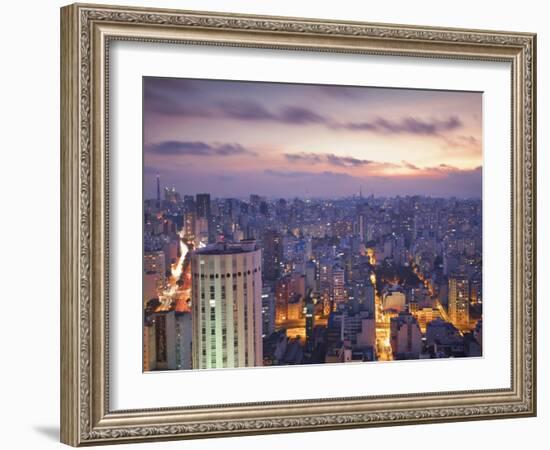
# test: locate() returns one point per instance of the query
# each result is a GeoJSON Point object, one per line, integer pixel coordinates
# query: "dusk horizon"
{"type": "Point", "coordinates": [309, 196]}
{"type": "Point", "coordinates": [233, 138]}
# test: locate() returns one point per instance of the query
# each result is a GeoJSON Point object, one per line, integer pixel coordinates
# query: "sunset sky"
{"type": "Point", "coordinates": [232, 138]}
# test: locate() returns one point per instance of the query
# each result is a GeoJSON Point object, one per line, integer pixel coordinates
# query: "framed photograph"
{"type": "Point", "coordinates": [275, 224]}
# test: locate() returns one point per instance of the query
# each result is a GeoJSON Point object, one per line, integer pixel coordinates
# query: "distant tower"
{"type": "Point", "coordinates": [272, 254]}
{"type": "Point", "coordinates": [309, 312]}
{"type": "Point", "coordinates": [158, 191]}
{"type": "Point", "coordinates": [204, 212]}
{"type": "Point", "coordinates": [459, 301]}
{"type": "Point", "coordinates": [338, 292]}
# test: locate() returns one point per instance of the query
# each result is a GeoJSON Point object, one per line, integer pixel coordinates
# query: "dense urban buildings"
{"type": "Point", "coordinates": [291, 224]}
{"type": "Point", "coordinates": [232, 282]}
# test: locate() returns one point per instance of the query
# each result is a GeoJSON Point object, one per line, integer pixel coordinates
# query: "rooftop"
{"type": "Point", "coordinates": [228, 248]}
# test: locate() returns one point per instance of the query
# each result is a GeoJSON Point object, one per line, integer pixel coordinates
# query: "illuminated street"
{"type": "Point", "coordinates": [383, 347]}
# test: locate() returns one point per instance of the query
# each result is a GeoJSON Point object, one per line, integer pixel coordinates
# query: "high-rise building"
{"type": "Point", "coordinates": [203, 205]}
{"type": "Point", "coordinates": [154, 274]}
{"type": "Point", "coordinates": [326, 285]}
{"type": "Point", "coordinates": [369, 300]}
{"type": "Point", "coordinates": [476, 289]}
{"type": "Point", "coordinates": [268, 311]}
{"type": "Point", "coordinates": [309, 314]}
{"type": "Point", "coordinates": [154, 262]}
{"type": "Point", "coordinates": [311, 276]}
{"type": "Point", "coordinates": [171, 195]}
{"type": "Point", "coordinates": [443, 339]}
{"type": "Point", "coordinates": [478, 332]}
{"type": "Point", "coordinates": [173, 341]}
{"type": "Point", "coordinates": [405, 337]}
{"type": "Point", "coordinates": [358, 329]}
{"type": "Point", "coordinates": [149, 348]}
{"type": "Point", "coordinates": [264, 208]}
{"type": "Point", "coordinates": [227, 305]}
{"type": "Point", "coordinates": [255, 201]}
{"type": "Point", "coordinates": [338, 285]}
{"type": "Point", "coordinates": [201, 232]}
{"type": "Point", "coordinates": [361, 222]}
{"type": "Point", "coordinates": [441, 332]}
{"type": "Point", "coordinates": [189, 203]}
{"type": "Point", "coordinates": [325, 277]}
{"type": "Point", "coordinates": [189, 224]}
{"type": "Point", "coordinates": [289, 289]}
{"type": "Point", "coordinates": [459, 301]}
{"type": "Point", "coordinates": [158, 191]}
{"type": "Point", "coordinates": [204, 212]}
{"type": "Point", "coordinates": [272, 254]}
{"type": "Point", "coordinates": [367, 336]}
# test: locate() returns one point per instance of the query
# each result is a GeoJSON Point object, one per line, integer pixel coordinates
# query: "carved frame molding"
{"type": "Point", "coordinates": [86, 32]}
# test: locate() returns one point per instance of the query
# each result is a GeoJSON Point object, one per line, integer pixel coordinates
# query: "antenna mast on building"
{"type": "Point", "coordinates": [158, 191]}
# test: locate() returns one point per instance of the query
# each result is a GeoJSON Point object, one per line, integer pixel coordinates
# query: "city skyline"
{"type": "Point", "coordinates": [240, 283]}
{"type": "Point", "coordinates": [230, 138]}
{"type": "Point", "coordinates": [359, 194]}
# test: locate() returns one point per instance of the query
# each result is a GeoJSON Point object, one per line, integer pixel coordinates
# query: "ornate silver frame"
{"type": "Point", "coordinates": [86, 31]}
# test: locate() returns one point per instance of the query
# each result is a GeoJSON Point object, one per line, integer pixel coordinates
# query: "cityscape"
{"type": "Point", "coordinates": [257, 254]}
